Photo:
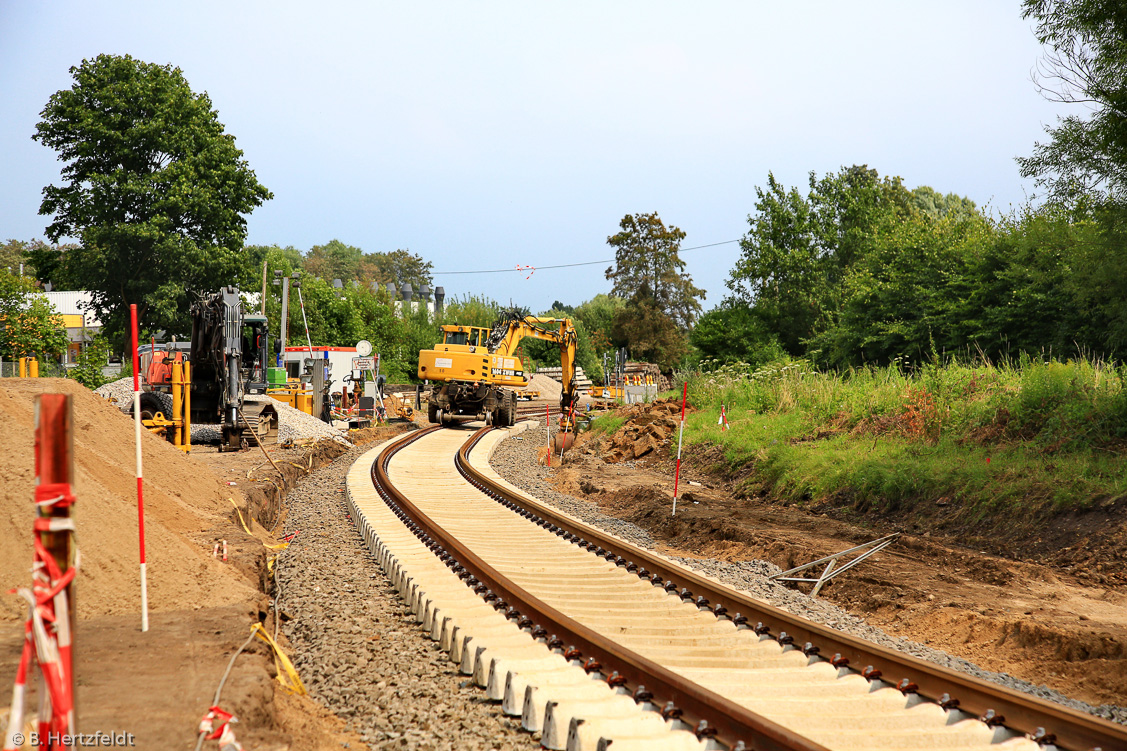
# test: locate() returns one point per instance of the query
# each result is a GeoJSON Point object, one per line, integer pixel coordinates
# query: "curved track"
{"type": "Point", "coordinates": [583, 635]}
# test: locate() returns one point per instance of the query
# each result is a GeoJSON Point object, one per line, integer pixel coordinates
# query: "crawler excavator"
{"type": "Point", "coordinates": [228, 353]}
{"type": "Point", "coordinates": [476, 372]}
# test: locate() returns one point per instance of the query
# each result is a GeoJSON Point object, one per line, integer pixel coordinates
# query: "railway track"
{"type": "Point", "coordinates": [591, 640]}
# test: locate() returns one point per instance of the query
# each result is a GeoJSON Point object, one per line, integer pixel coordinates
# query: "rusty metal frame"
{"type": "Point", "coordinates": [832, 569]}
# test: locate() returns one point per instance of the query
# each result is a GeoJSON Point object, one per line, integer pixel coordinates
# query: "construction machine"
{"type": "Point", "coordinates": [228, 355]}
{"type": "Point", "coordinates": [476, 372]}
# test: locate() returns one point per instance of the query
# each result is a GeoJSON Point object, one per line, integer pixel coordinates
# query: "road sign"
{"type": "Point", "coordinates": [364, 363]}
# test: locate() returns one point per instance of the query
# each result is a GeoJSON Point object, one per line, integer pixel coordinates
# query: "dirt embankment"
{"type": "Point", "coordinates": [1058, 619]}
{"type": "Point", "coordinates": [158, 684]}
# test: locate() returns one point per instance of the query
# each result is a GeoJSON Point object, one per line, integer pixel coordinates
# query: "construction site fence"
{"type": "Point", "coordinates": [47, 369]}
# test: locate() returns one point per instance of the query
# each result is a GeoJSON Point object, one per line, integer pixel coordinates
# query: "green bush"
{"type": "Point", "coordinates": [91, 360]}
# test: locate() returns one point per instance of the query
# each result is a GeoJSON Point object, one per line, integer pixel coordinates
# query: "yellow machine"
{"type": "Point", "coordinates": [294, 394]}
{"type": "Point", "coordinates": [475, 371]}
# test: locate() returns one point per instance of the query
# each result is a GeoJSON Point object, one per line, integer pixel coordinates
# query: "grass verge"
{"type": "Point", "coordinates": [1031, 437]}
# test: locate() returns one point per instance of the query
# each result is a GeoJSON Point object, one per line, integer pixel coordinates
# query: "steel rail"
{"type": "Point", "coordinates": [707, 713]}
{"type": "Point", "coordinates": [1040, 720]}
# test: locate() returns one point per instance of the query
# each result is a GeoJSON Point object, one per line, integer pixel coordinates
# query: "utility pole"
{"type": "Point", "coordinates": [285, 319]}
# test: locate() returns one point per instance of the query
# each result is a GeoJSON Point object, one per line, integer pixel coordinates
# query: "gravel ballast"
{"type": "Point", "coordinates": [516, 461]}
{"type": "Point", "coordinates": [357, 647]}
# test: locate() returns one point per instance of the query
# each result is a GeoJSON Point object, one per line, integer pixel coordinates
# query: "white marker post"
{"type": "Point", "coordinates": [680, 434]}
{"type": "Point", "coordinates": [140, 494]}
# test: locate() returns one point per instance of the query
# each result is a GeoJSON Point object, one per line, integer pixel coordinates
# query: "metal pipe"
{"type": "Point", "coordinates": [186, 439]}
{"type": "Point", "coordinates": [285, 320]}
{"type": "Point", "coordinates": [177, 399]}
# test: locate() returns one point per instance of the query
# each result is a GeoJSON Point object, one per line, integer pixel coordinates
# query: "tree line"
{"type": "Point", "coordinates": [852, 268]}
{"type": "Point", "coordinates": [859, 269]}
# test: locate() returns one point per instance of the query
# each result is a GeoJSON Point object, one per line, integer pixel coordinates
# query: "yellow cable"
{"type": "Point", "coordinates": [240, 513]}
{"type": "Point", "coordinates": [281, 662]}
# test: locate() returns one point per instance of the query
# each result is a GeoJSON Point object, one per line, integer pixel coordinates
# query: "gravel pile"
{"type": "Point", "coordinates": [293, 424]}
{"type": "Point", "coordinates": [359, 650]}
{"type": "Point", "coordinates": [120, 392]}
{"type": "Point", "coordinates": [516, 461]}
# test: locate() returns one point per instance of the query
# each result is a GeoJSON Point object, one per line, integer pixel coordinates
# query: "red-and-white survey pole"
{"type": "Point", "coordinates": [680, 434]}
{"type": "Point", "coordinates": [140, 490]}
{"type": "Point", "coordinates": [548, 430]}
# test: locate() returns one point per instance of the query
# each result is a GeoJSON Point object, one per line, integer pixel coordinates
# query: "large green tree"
{"type": "Point", "coordinates": [646, 256]}
{"type": "Point", "coordinates": [597, 315]}
{"type": "Point", "coordinates": [12, 254]}
{"type": "Point", "coordinates": [648, 332]}
{"type": "Point", "coordinates": [732, 332]}
{"type": "Point", "coordinates": [153, 189]}
{"type": "Point", "coordinates": [395, 267]}
{"type": "Point", "coordinates": [333, 260]}
{"type": "Point", "coordinates": [799, 248]}
{"type": "Point", "coordinates": [906, 295]}
{"type": "Point", "coordinates": [1085, 63]}
{"type": "Point", "coordinates": [1083, 166]}
{"type": "Point", "coordinates": [29, 325]}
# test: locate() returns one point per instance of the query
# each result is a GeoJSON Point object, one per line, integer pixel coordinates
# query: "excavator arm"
{"type": "Point", "coordinates": [507, 334]}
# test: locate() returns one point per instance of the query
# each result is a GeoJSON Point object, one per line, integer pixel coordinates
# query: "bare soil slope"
{"type": "Point", "coordinates": [181, 504]}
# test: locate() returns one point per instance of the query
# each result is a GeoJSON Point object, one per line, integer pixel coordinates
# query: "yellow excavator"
{"type": "Point", "coordinates": [476, 372]}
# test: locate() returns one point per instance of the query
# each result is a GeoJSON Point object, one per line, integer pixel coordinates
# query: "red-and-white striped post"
{"type": "Point", "coordinates": [680, 434]}
{"type": "Point", "coordinates": [140, 489]}
{"type": "Point", "coordinates": [548, 430]}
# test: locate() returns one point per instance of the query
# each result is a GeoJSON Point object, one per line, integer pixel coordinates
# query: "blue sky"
{"type": "Point", "coordinates": [488, 135]}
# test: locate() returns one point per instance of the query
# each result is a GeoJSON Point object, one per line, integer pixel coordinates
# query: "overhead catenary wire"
{"type": "Point", "coordinates": [570, 265]}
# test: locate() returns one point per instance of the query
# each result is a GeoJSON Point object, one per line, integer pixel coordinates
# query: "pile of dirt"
{"type": "Point", "coordinates": [648, 427]}
{"type": "Point", "coordinates": [181, 505]}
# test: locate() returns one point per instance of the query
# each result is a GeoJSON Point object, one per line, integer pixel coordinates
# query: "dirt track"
{"type": "Point", "coordinates": [1038, 622]}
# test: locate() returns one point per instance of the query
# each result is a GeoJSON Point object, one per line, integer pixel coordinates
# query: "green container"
{"type": "Point", "coordinates": [276, 378]}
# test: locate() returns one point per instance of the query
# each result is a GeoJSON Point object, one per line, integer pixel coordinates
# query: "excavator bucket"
{"type": "Point", "coordinates": [562, 441]}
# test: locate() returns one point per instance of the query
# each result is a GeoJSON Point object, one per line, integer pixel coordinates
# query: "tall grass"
{"type": "Point", "coordinates": [1031, 432]}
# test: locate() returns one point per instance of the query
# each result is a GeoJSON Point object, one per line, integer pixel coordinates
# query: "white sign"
{"type": "Point", "coordinates": [364, 363]}
{"type": "Point", "coordinates": [443, 362]}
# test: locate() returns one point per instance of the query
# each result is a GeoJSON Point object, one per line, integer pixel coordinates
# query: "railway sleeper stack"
{"type": "Point", "coordinates": [808, 700]}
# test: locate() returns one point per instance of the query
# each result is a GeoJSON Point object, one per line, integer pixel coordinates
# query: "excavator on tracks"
{"type": "Point", "coordinates": [475, 371]}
